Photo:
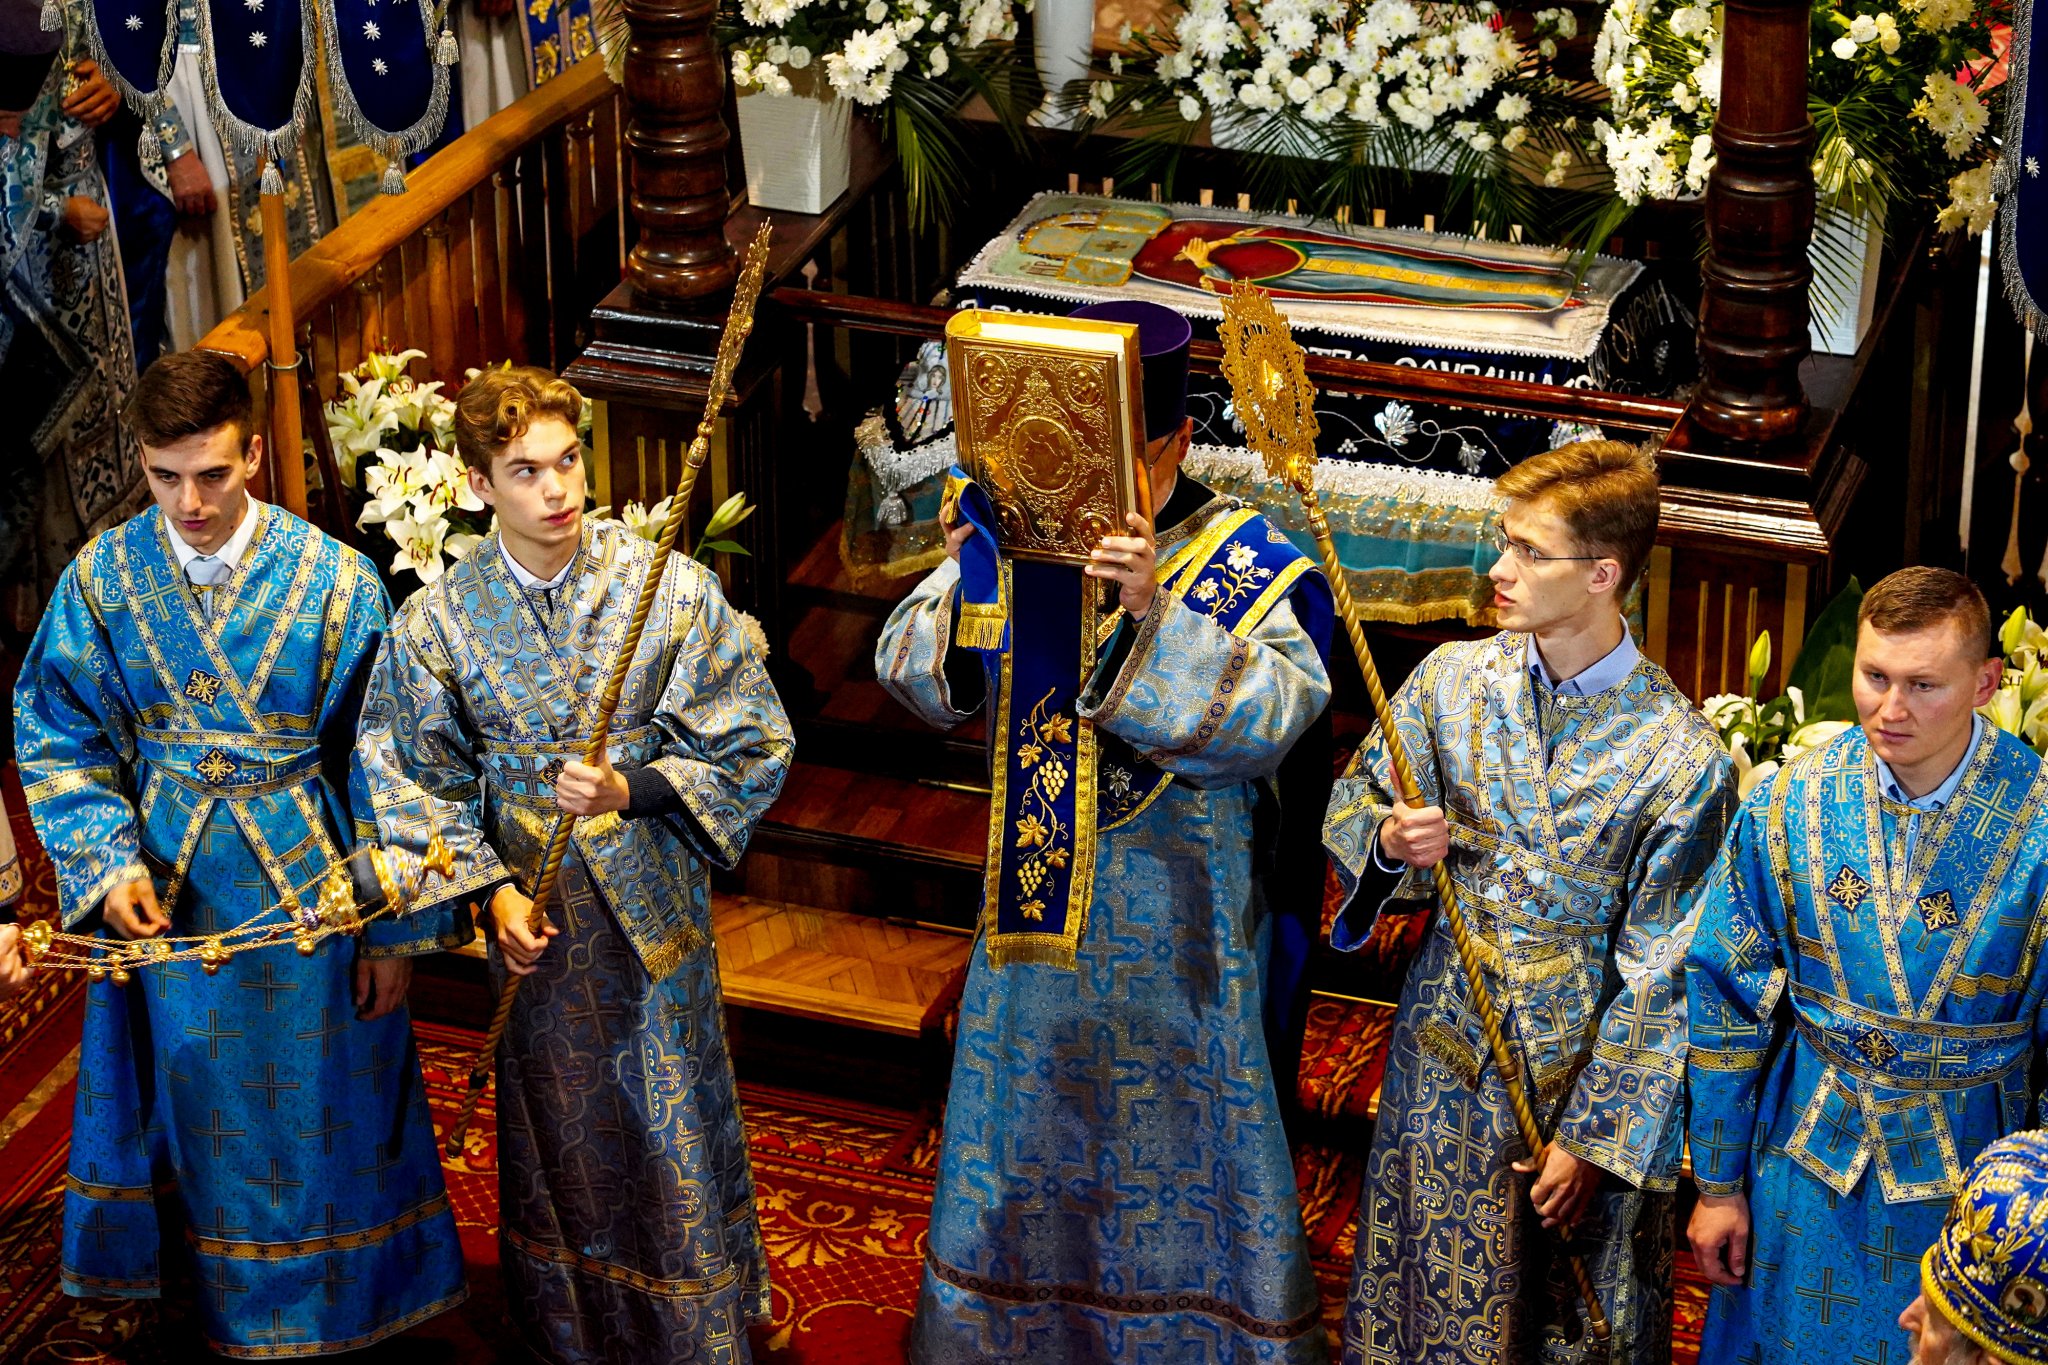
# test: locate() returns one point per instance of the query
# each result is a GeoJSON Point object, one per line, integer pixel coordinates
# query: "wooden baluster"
{"type": "Point", "coordinates": [348, 341]}
{"type": "Point", "coordinates": [675, 86]}
{"type": "Point", "coordinates": [1753, 311]}
{"type": "Point", "coordinates": [370, 309]}
{"type": "Point", "coordinates": [533, 254]}
{"type": "Point", "coordinates": [512, 259]}
{"type": "Point", "coordinates": [465, 305]}
{"type": "Point", "coordinates": [419, 328]}
{"type": "Point", "coordinates": [440, 301]}
{"type": "Point", "coordinates": [558, 263]}
{"type": "Point", "coordinates": [485, 227]}
{"type": "Point", "coordinates": [620, 188]}
{"type": "Point", "coordinates": [583, 168]}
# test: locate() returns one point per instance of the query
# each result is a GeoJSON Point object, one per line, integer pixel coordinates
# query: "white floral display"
{"type": "Point", "coordinates": [1454, 69]}
{"type": "Point", "coordinates": [860, 46]}
{"type": "Point", "coordinates": [1897, 89]}
{"type": "Point", "coordinates": [2020, 705]}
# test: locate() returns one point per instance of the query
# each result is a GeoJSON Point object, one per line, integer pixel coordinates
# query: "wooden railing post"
{"type": "Point", "coordinates": [675, 85]}
{"type": "Point", "coordinates": [1753, 313]}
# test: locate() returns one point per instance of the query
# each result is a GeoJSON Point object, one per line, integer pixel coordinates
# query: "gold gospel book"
{"type": "Point", "coordinates": [1049, 417]}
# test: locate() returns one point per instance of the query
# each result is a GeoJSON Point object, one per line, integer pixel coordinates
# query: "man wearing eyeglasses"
{"type": "Point", "coordinates": [1579, 798]}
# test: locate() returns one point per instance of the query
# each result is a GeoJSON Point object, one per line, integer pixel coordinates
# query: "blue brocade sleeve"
{"type": "Point", "coordinates": [1627, 1111]}
{"type": "Point", "coordinates": [76, 749]}
{"type": "Point", "coordinates": [1208, 706]}
{"type": "Point", "coordinates": [419, 769]}
{"type": "Point", "coordinates": [1735, 977]}
{"type": "Point", "coordinates": [910, 656]}
{"type": "Point", "coordinates": [727, 743]}
{"type": "Point", "coordinates": [1362, 798]}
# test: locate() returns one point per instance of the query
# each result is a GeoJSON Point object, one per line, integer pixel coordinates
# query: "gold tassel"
{"type": "Point", "coordinates": [980, 627]}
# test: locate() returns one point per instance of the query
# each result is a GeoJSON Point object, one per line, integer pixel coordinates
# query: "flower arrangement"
{"type": "Point", "coordinates": [1898, 91]}
{"type": "Point", "coordinates": [2020, 706]}
{"type": "Point", "coordinates": [394, 444]}
{"type": "Point", "coordinates": [1816, 706]}
{"type": "Point", "coordinates": [911, 60]}
{"type": "Point", "coordinates": [1364, 84]}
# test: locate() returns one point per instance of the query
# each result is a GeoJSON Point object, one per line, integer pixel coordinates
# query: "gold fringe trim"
{"type": "Point", "coordinates": [980, 627]}
{"type": "Point", "coordinates": [661, 960]}
{"type": "Point", "coordinates": [1003, 951]}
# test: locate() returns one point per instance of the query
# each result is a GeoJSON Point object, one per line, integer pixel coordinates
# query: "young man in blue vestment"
{"type": "Point", "coordinates": [1115, 1183]}
{"type": "Point", "coordinates": [1866, 991]}
{"type": "Point", "coordinates": [183, 723]}
{"type": "Point", "coordinates": [1579, 798]}
{"type": "Point", "coordinates": [626, 1203]}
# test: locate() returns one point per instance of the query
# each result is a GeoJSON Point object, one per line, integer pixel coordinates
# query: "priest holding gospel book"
{"type": "Point", "coordinates": [1115, 1182]}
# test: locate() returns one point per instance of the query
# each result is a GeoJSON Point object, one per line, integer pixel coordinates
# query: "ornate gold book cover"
{"type": "Point", "coordinates": [1049, 417]}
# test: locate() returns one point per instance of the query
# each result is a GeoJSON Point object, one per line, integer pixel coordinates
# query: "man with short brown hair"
{"type": "Point", "coordinates": [1865, 990]}
{"type": "Point", "coordinates": [183, 722]}
{"type": "Point", "coordinates": [1579, 799]}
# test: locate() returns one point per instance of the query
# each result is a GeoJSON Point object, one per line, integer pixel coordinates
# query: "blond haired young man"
{"type": "Point", "coordinates": [626, 1203]}
{"type": "Point", "coordinates": [1866, 991]}
{"type": "Point", "coordinates": [1579, 798]}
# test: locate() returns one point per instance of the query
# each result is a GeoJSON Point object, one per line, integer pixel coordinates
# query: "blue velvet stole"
{"type": "Point", "coordinates": [1039, 630]}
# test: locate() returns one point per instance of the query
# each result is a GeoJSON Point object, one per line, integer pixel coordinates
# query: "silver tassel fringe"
{"type": "Point", "coordinates": [445, 51]}
{"type": "Point", "coordinates": [53, 17]}
{"type": "Point", "coordinates": [273, 178]}
{"type": "Point", "coordinates": [394, 177]}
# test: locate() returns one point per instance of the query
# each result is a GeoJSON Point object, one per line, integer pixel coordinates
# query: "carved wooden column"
{"type": "Point", "coordinates": [675, 85]}
{"type": "Point", "coordinates": [1753, 314]}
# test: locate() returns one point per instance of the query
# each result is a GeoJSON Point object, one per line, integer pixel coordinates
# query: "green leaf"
{"type": "Point", "coordinates": [720, 547]}
{"type": "Point", "coordinates": [1827, 661]}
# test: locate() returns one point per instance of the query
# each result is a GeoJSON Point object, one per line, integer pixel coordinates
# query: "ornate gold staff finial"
{"type": "Point", "coordinates": [738, 323]}
{"type": "Point", "coordinates": [1276, 403]}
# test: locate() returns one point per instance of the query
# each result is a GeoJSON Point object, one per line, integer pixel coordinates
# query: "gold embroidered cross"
{"type": "Point", "coordinates": [215, 768]}
{"type": "Point", "coordinates": [1875, 1045]}
{"type": "Point", "coordinates": [1938, 911]}
{"type": "Point", "coordinates": [1848, 888]}
{"type": "Point", "coordinates": [203, 687]}
{"type": "Point", "coordinates": [551, 771]}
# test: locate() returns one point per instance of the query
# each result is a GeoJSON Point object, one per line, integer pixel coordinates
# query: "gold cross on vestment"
{"type": "Point", "coordinates": [203, 687]}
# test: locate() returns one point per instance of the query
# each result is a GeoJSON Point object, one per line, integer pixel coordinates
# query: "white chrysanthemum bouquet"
{"type": "Point", "coordinates": [910, 61]}
{"type": "Point", "coordinates": [1390, 83]}
{"type": "Point", "coordinates": [1898, 91]}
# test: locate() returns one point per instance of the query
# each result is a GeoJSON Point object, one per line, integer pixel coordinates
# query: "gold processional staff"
{"type": "Point", "coordinates": [1276, 403]}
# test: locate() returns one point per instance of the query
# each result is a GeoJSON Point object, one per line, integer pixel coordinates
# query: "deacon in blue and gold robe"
{"type": "Point", "coordinates": [627, 1204]}
{"type": "Point", "coordinates": [1866, 996]}
{"type": "Point", "coordinates": [1583, 815]}
{"type": "Point", "coordinates": [208, 749]}
{"type": "Point", "coordinates": [1115, 1183]}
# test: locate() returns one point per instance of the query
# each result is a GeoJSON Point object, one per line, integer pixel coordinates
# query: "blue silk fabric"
{"type": "Point", "coordinates": [1862, 1026]}
{"type": "Point", "coordinates": [1583, 831]}
{"type": "Point", "coordinates": [289, 1138]}
{"type": "Point", "coordinates": [1115, 1183]}
{"type": "Point", "coordinates": [626, 1201]}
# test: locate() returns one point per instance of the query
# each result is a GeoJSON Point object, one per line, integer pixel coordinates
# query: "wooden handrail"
{"type": "Point", "coordinates": [342, 257]}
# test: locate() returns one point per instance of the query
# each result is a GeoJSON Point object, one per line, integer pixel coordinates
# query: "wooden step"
{"type": "Point", "coordinates": [871, 844]}
{"type": "Point", "coordinates": [836, 967]}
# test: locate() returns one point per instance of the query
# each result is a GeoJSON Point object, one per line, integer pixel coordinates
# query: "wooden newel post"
{"type": "Point", "coordinates": [1753, 313]}
{"type": "Point", "coordinates": [675, 86]}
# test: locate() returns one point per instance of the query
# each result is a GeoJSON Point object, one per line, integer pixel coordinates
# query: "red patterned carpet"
{"type": "Point", "coordinates": [845, 1192]}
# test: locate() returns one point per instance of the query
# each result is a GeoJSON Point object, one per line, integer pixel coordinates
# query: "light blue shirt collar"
{"type": "Point", "coordinates": [1941, 795]}
{"type": "Point", "coordinates": [1610, 671]}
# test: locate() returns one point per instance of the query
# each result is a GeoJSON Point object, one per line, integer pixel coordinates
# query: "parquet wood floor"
{"type": "Point", "coordinates": [834, 966]}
